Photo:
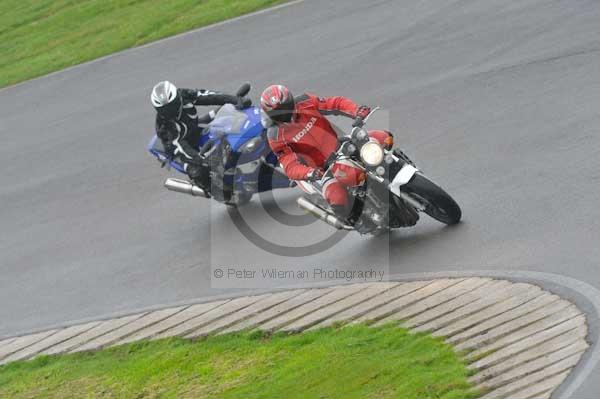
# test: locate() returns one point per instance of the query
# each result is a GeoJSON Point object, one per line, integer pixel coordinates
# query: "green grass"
{"type": "Point", "coordinates": [350, 362]}
{"type": "Point", "coordinates": [41, 36]}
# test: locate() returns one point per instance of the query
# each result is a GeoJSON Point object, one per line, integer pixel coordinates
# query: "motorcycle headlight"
{"type": "Point", "coordinates": [371, 153]}
{"type": "Point", "coordinates": [251, 145]}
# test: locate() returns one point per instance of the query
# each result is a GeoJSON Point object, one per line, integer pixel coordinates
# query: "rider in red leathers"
{"type": "Point", "coordinates": [304, 142]}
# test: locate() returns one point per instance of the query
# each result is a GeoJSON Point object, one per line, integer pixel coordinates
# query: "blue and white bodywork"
{"type": "Point", "coordinates": [241, 161]}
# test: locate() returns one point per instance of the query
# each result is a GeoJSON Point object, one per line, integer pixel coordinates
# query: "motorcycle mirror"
{"type": "Point", "coordinates": [244, 90]}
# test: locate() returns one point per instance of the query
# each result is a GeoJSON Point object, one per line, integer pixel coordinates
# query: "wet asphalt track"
{"type": "Point", "coordinates": [498, 101]}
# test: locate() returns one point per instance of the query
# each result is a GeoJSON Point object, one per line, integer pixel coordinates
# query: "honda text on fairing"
{"type": "Point", "coordinates": [392, 193]}
{"type": "Point", "coordinates": [236, 152]}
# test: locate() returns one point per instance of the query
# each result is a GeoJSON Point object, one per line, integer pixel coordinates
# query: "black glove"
{"type": "Point", "coordinates": [243, 103]}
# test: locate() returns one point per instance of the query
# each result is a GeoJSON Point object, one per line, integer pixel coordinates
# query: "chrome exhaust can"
{"type": "Point", "coordinates": [322, 214]}
{"type": "Point", "coordinates": [185, 187]}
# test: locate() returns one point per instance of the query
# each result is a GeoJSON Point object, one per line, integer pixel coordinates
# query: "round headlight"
{"type": "Point", "coordinates": [371, 153]}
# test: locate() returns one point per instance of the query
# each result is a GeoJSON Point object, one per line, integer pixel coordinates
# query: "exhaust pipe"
{"type": "Point", "coordinates": [322, 214]}
{"type": "Point", "coordinates": [185, 187]}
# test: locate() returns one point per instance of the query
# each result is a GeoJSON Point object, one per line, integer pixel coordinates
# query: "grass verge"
{"type": "Point", "coordinates": [42, 36]}
{"type": "Point", "coordinates": [350, 362]}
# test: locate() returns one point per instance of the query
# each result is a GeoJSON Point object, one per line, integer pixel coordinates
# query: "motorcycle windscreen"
{"type": "Point", "coordinates": [229, 120]}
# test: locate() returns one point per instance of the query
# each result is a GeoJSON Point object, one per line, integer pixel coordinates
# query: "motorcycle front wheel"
{"type": "Point", "coordinates": [436, 202]}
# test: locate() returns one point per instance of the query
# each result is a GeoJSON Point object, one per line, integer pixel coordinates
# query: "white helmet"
{"type": "Point", "coordinates": [166, 99]}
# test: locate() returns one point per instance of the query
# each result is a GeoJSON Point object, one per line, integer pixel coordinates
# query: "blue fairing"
{"type": "Point", "coordinates": [156, 148]}
{"type": "Point", "coordinates": [238, 128]}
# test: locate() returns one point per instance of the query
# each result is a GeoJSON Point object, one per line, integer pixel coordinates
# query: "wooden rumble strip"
{"type": "Point", "coordinates": [520, 341]}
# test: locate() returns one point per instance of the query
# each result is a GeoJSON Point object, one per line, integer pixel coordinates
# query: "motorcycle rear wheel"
{"type": "Point", "coordinates": [437, 203]}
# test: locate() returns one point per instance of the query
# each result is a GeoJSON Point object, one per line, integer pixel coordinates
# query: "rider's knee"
{"type": "Point", "coordinates": [335, 194]}
{"type": "Point", "coordinates": [348, 174]}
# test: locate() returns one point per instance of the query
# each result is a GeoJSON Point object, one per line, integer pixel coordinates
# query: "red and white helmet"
{"type": "Point", "coordinates": [278, 103]}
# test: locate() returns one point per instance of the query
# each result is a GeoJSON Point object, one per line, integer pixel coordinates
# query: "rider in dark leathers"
{"type": "Point", "coordinates": [179, 127]}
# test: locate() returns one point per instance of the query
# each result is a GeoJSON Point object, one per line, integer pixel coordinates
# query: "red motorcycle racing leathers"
{"type": "Point", "coordinates": [309, 140]}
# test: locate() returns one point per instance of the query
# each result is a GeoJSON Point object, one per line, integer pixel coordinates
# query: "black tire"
{"type": "Point", "coordinates": [438, 203]}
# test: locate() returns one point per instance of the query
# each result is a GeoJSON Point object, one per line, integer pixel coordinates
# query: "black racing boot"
{"type": "Point", "coordinates": [200, 175]}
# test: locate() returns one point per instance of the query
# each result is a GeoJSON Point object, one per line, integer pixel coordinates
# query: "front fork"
{"type": "Point", "coordinates": [402, 177]}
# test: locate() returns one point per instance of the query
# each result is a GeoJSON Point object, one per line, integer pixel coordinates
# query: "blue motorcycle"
{"type": "Point", "coordinates": [239, 158]}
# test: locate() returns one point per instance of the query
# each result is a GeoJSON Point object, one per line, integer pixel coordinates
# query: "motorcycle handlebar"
{"type": "Point", "coordinates": [360, 122]}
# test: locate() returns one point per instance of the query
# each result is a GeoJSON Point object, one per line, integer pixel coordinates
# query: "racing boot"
{"type": "Point", "coordinates": [200, 176]}
{"type": "Point", "coordinates": [349, 214]}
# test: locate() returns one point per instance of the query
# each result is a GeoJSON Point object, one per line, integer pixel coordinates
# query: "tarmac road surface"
{"type": "Point", "coordinates": [497, 101]}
